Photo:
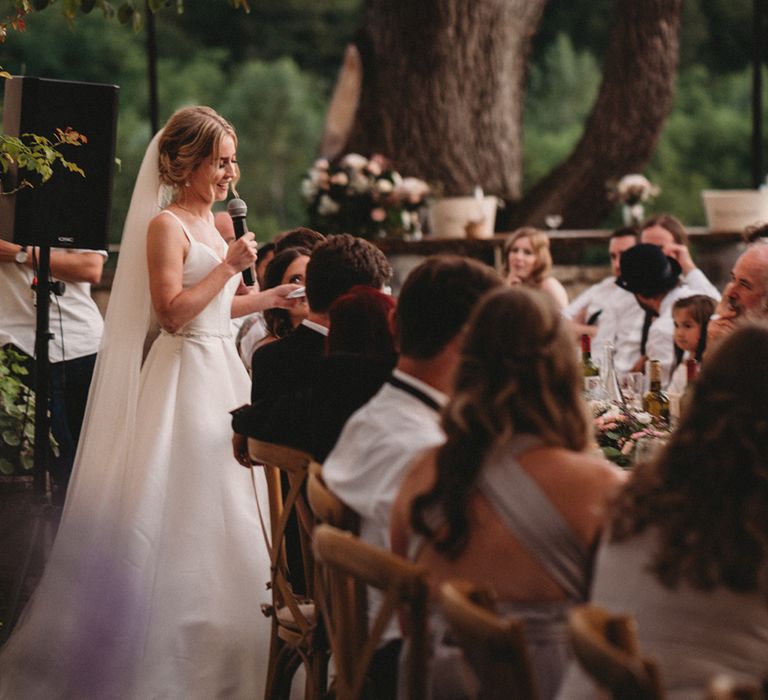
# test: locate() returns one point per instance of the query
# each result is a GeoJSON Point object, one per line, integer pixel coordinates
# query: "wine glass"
{"type": "Point", "coordinates": [632, 384]}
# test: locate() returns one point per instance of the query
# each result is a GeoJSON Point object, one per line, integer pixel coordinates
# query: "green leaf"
{"type": "Point", "coordinates": [6, 467]}
{"type": "Point", "coordinates": [27, 461]}
{"type": "Point", "coordinates": [11, 438]}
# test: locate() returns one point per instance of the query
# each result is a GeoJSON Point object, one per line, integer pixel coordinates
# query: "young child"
{"type": "Point", "coordinates": [690, 316]}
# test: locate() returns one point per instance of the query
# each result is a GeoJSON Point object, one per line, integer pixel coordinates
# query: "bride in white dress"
{"type": "Point", "coordinates": [154, 585]}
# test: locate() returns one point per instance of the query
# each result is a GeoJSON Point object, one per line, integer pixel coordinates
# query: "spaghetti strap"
{"type": "Point", "coordinates": [533, 519]}
{"type": "Point", "coordinates": [189, 236]}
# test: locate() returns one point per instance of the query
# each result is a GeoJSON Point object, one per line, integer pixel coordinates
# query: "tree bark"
{"type": "Point", "coordinates": [626, 122]}
{"type": "Point", "coordinates": [443, 87]}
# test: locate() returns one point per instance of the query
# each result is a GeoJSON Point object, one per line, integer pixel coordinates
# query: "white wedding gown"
{"type": "Point", "coordinates": [154, 585]}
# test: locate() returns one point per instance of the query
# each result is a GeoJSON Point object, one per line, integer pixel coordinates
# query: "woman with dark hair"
{"type": "Point", "coordinates": [688, 543]}
{"type": "Point", "coordinates": [512, 499]}
{"type": "Point", "coordinates": [289, 266]}
{"type": "Point", "coordinates": [528, 261]}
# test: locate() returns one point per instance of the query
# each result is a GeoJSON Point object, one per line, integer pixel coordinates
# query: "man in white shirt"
{"type": "Point", "coordinates": [585, 310]}
{"type": "Point", "coordinates": [655, 280]}
{"type": "Point", "coordinates": [76, 325]}
{"type": "Point", "coordinates": [622, 323]}
{"type": "Point", "coordinates": [380, 440]}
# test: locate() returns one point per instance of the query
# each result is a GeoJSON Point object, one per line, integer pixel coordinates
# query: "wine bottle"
{"type": "Point", "coordinates": [655, 401]}
{"type": "Point", "coordinates": [588, 367]}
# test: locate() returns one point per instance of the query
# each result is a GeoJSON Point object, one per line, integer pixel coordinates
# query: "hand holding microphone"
{"type": "Point", "coordinates": [237, 209]}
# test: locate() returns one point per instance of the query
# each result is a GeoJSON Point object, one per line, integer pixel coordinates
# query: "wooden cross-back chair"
{"type": "Point", "coordinates": [605, 644]}
{"type": "Point", "coordinates": [347, 566]}
{"type": "Point", "coordinates": [296, 636]}
{"type": "Point", "coordinates": [326, 506]}
{"type": "Point", "coordinates": [495, 647]}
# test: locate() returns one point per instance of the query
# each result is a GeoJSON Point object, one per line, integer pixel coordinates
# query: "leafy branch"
{"type": "Point", "coordinates": [128, 12]}
{"type": "Point", "coordinates": [38, 154]}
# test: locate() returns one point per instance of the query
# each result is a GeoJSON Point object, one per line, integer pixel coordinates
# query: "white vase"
{"type": "Point", "coordinates": [633, 214]}
{"type": "Point", "coordinates": [449, 216]}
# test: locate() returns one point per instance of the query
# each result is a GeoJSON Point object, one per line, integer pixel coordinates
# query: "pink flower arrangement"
{"type": "Point", "coordinates": [618, 430]}
{"type": "Point", "coordinates": [362, 196]}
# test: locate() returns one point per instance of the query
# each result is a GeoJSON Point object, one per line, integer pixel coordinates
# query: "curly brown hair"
{"type": "Point", "coordinates": [191, 136]}
{"type": "Point", "coordinates": [518, 374]}
{"type": "Point", "coordinates": [707, 492]}
{"type": "Point", "coordinates": [540, 244]}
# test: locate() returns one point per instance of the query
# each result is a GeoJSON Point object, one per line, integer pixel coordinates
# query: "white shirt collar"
{"type": "Point", "coordinates": [428, 389]}
{"type": "Point", "coordinates": [315, 326]}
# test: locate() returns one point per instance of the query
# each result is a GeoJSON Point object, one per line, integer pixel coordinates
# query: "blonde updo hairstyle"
{"type": "Point", "coordinates": [192, 136]}
{"type": "Point", "coordinates": [542, 266]}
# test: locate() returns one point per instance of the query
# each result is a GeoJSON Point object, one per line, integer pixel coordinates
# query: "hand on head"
{"type": "Point", "coordinates": [680, 253]}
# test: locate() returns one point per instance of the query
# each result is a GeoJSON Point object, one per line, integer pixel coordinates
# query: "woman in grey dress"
{"type": "Point", "coordinates": [688, 544]}
{"type": "Point", "coordinates": [513, 499]}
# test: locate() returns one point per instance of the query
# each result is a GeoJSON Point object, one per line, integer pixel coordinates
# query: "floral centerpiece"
{"type": "Point", "coordinates": [632, 191]}
{"type": "Point", "coordinates": [363, 196]}
{"type": "Point", "coordinates": [618, 429]}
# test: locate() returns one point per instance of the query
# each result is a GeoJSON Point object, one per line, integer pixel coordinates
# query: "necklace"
{"type": "Point", "coordinates": [189, 211]}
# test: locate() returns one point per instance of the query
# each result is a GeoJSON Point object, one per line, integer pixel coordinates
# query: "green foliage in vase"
{"type": "Point", "coordinates": [17, 415]}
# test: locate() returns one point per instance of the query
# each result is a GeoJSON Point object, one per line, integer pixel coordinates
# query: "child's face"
{"type": "Point", "coordinates": [687, 331]}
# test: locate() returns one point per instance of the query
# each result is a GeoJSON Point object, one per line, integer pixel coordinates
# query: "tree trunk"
{"type": "Point", "coordinates": [443, 87]}
{"type": "Point", "coordinates": [626, 122]}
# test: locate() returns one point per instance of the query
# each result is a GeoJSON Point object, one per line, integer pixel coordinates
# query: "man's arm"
{"type": "Point", "coordinates": [66, 265]}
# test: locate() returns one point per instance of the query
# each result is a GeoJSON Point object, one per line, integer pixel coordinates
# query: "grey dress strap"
{"type": "Point", "coordinates": [531, 518]}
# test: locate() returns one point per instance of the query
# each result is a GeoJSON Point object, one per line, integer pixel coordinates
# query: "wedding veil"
{"type": "Point", "coordinates": [111, 411]}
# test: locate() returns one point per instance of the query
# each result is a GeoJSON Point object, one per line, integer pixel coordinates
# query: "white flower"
{"type": "Point", "coordinates": [340, 178]}
{"type": "Point", "coordinates": [644, 418]}
{"type": "Point", "coordinates": [327, 206]}
{"type": "Point", "coordinates": [412, 190]}
{"type": "Point", "coordinates": [321, 164]}
{"type": "Point", "coordinates": [384, 186]}
{"type": "Point", "coordinates": [354, 161]}
{"type": "Point", "coordinates": [612, 412]}
{"type": "Point", "coordinates": [359, 183]}
{"type": "Point", "coordinates": [308, 189]}
{"type": "Point", "coordinates": [635, 188]}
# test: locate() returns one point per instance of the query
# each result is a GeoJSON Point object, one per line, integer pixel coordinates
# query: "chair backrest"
{"type": "Point", "coordinates": [723, 687]}
{"type": "Point", "coordinates": [605, 644]}
{"type": "Point", "coordinates": [494, 647]}
{"type": "Point", "coordinates": [282, 505]}
{"type": "Point", "coordinates": [348, 565]}
{"type": "Point", "coordinates": [326, 507]}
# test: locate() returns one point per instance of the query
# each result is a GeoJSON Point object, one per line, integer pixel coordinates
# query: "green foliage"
{"type": "Point", "coordinates": [17, 413]}
{"type": "Point", "coordinates": [561, 90]}
{"type": "Point", "coordinates": [278, 113]}
{"type": "Point", "coordinates": [38, 155]}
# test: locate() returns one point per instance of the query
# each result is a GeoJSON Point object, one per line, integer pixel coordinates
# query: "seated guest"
{"type": "Point", "coordinates": [654, 279]}
{"type": "Point", "coordinates": [585, 310]}
{"type": "Point", "coordinates": [288, 266]}
{"type": "Point", "coordinates": [360, 356]}
{"type": "Point", "coordinates": [691, 317]}
{"type": "Point", "coordinates": [527, 261]}
{"type": "Point", "coordinates": [368, 463]}
{"type": "Point", "coordinates": [512, 499]}
{"type": "Point", "coordinates": [686, 553]}
{"type": "Point", "coordinates": [290, 364]}
{"type": "Point", "coordinates": [745, 296]}
{"type": "Point", "coordinates": [622, 325]}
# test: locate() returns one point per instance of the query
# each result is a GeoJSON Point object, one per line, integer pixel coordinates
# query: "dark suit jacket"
{"type": "Point", "coordinates": [312, 417]}
{"type": "Point", "coordinates": [287, 365]}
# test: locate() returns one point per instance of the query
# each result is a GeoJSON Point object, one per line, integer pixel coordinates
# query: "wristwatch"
{"type": "Point", "coordinates": [21, 256]}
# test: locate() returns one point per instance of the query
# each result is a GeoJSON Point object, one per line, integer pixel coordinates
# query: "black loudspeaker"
{"type": "Point", "coordinates": [69, 210]}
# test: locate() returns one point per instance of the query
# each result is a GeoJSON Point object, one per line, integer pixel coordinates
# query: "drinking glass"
{"type": "Point", "coordinates": [632, 384]}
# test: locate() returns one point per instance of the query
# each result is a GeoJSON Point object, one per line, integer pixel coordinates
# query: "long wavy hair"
{"type": "Point", "coordinates": [518, 374]}
{"type": "Point", "coordinates": [707, 493]}
{"type": "Point", "coordinates": [542, 266]}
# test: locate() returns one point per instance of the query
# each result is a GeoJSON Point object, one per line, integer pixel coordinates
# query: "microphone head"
{"type": "Point", "coordinates": [237, 208]}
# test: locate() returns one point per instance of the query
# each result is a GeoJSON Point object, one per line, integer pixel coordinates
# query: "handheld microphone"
{"type": "Point", "coordinates": [237, 209]}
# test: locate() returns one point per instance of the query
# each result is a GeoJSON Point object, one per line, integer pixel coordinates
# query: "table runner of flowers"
{"type": "Point", "coordinates": [618, 428]}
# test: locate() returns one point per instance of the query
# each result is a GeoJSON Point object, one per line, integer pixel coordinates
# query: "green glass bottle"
{"type": "Point", "coordinates": [588, 367]}
{"type": "Point", "coordinates": [655, 401]}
